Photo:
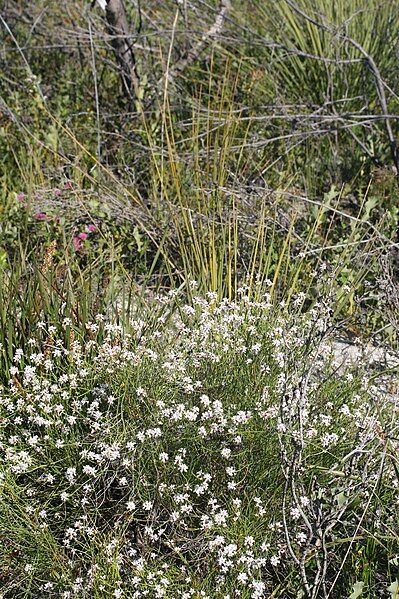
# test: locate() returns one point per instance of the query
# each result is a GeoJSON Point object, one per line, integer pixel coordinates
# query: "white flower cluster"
{"type": "Point", "coordinates": [206, 452]}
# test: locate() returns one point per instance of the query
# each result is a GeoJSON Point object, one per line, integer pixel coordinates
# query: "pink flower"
{"type": "Point", "coordinates": [40, 216]}
{"type": "Point", "coordinates": [76, 244]}
{"type": "Point", "coordinates": [68, 185]}
{"type": "Point", "coordinates": [21, 196]}
{"type": "Point", "coordinates": [91, 228]}
{"type": "Point", "coordinates": [57, 192]}
{"type": "Point", "coordinates": [82, 236]}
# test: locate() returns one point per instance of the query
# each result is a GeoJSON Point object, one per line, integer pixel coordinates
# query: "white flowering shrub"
{"type": "Point", "coordinates": [215, 450]}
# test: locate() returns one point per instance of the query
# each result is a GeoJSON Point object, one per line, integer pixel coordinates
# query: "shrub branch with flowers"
{"type": "Point", "coordinates": [214, 450]}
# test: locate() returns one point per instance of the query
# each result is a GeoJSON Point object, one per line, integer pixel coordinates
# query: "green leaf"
{"type": "Point", "coordinates": [341, 499]}
{"type": "Point", "coordinates": [368, 207]}
{"type": "Point", "coordinates": [330, 195]}
{"type": "Point", "coordinates": [357, 590]}
{"type": "Point", "coordinates": [138, 239]}
{"type": "Point", "coordinates": [394, 589]}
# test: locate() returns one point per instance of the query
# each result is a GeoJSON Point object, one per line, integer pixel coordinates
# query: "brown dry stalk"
{"type": "Point", "coordinates": [48, 257]}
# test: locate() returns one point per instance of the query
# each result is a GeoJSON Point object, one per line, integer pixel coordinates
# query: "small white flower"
{"type": "Point", "coordinates": [90, 470]}
{"type": "Point", "coordinates": [301, 537]}
{"type": "Point", "coordinates": [249, 541]}
{"type": "Point", "coordinates": [295, 513]}
{"type": "Point", "coordinates": [275, 560]}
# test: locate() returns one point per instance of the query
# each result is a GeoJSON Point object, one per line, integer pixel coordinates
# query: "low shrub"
{"type": "Point", "coordinates": [213, 449]}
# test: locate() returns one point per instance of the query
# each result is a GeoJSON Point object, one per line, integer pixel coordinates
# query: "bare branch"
{"type": "Point", "coordinates": [193, 53]}
{"type": "Point", "coordinates": [118, 28]}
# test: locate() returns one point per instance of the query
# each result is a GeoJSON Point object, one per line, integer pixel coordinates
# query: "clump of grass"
{"type": "Point", "coordinates": [322, 31]}
{"type": "Point", "coordinates": [315, 65]}
{"type": "Point", "coordinates": [213, 450]}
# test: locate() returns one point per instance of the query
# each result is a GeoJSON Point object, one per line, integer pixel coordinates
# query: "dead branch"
{"type": "Point", "coordinates": [118, 28]}
{"type": "Point", "coordinates": [193, 53]}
